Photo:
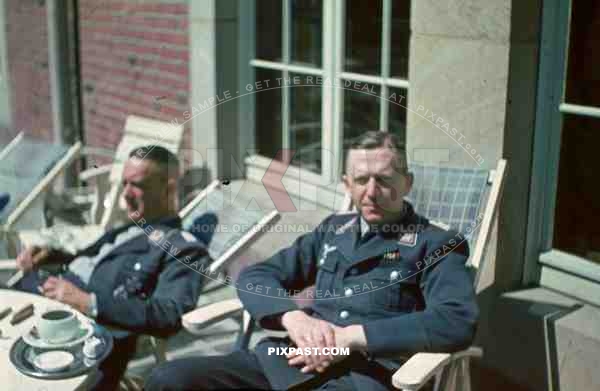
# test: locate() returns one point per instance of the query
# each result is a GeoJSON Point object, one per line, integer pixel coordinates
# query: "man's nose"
{"type": "Point", "coordinates": [372, 188]}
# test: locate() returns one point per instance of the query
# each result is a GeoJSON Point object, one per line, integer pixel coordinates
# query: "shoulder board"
{"type": "Point", "coordinates": [409, 239]}
{"type": "Point", "coordinates": [188, 237]}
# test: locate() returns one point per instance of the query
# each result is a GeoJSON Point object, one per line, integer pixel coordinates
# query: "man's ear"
{"type": "Point", "coordinates": [347, 183]}
{"type": "Point", "coordinates": [171, 192]}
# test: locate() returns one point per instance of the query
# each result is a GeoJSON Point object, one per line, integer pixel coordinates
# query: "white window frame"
{"type": "Point", "coordinates": [332, 98]}
{"type": "Point", "coordinates": [544, 264]}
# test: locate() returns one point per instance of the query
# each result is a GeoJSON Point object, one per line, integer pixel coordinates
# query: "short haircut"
{"type": "Point", "coordinates": [373, 139]}
{"type": "Point", "coordinates": [164, 159]}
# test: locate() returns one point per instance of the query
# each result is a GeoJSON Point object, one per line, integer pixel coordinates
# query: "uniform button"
{"type": "Point", "coordinates": [353, 272]}
{"type": "Point", "coordinates": [137, 266]}
{"type": "Point", "coordinates": [393, 275]}
{"type": "Point", "coordinates": [344, 314]}
{"type": "Point", "coordinates": [348, 292]}
{"type": "Point", "coordinates": [321, 261]}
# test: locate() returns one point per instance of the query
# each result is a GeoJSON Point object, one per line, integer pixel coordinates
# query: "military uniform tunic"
{"type": "Point", "coordinates": [406, 283]}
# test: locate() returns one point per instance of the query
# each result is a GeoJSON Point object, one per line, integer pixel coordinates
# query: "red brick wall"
{"type": "Point", "coordinates": [27, 60]}
{"type": "Point", "coordinates": [134, 60]}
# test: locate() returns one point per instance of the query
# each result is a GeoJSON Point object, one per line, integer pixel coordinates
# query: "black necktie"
{"type": "Point", "coordinates": [365, 238]}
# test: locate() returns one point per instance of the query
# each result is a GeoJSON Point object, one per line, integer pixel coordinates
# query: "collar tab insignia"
{"type": "Point", "coordinates": [408, 239]}
{"type": "Point", "coordinates": [345, 227]}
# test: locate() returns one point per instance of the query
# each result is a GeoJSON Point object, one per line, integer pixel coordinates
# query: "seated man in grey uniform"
{"type": "Point", "coordinates": [131, 279]}
{"type": "Point", "coordinates": [388, 283]}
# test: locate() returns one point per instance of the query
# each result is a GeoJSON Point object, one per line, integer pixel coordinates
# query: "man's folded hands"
{"type": "Point", "coordinates": [317, 335]}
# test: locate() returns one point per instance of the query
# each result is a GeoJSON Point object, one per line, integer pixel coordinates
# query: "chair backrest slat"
{"type": "Point", "coordinates": [140, 132]}
{"type": "Point", "coordinates": [23, 166]}
{"type": "Point", "coordinates": [455, 197]}
{"type": "Point", "coordinates": [235, 219]}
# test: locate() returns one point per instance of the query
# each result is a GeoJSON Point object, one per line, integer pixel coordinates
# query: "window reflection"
{"type": "Point", "coordinates": [268, 29]}
{"type": "Point", "coordinates": [306, 32]}
{"type": "Point", "coordinates": [576, 228]}
{"type": "Point", "coordinates": [268, 115]}
{"type": "Point", "coordinates": [305, 125]}
{"type": "Point", "coordinates": [583, 77]}
{"type": "Point", "coordinates": [397, 98]}
{"type": "Point", "coordinates": [363, 36]}
{"type": "Point", "coordinates": [400, 38]}
{"type": "Point", "coordinates": [361, 113]}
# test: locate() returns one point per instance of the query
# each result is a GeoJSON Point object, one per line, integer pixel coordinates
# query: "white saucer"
{"type": "Point", "coordinates": [53, 361]}
{"type": "Point", "coordinates": [86, 329]}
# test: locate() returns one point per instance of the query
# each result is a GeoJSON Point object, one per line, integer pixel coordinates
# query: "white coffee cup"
{"type": "Point", "coordinates": [57, 325]}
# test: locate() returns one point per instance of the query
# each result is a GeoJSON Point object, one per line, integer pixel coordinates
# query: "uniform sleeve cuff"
{"type": "Point", "coordinates": [92, 309]}
{"type": "Point", "coordinates": [272, 320]}
{"type": "Point", "coordinates": [395, 335]}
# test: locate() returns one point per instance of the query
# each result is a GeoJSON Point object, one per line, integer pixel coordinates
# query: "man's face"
{"type": "Point", "coordinates": [376, 184]}
{"type": "Point", "coordinates": [144, 189]}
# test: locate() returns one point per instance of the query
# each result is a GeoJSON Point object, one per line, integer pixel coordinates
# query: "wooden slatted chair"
{"type": "Point", "coordinates": [105, 211]}
{"type": "Point", "coordinates": [226, 244]}
{"type": "Point", "coordinates": [28, 168]}
{"type": "Point", "coordinates": [460, 198]}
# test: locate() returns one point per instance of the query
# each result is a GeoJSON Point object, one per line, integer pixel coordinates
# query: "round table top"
{"type": "Point", "coordinates": [12, 379]}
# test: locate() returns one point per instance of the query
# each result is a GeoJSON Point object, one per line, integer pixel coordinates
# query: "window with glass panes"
{"type": "Point", "coordinates": [576, 228]}
{"type": "Point", "coordinates": [563, 245]}
{"type": "Point", "coordinates": [358, 49]}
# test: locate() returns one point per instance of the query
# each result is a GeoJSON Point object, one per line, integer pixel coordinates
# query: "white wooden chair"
{"type": "Point", "coordinates": [464, 199]}
{"type": "Point", "coordinates": [28, 168]}
{"type": "Point", "coordinates": [105, 196]}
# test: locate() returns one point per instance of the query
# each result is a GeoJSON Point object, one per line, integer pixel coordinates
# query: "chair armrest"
{"type": "Point", "coordinates": [472, 351]}
{"type": "Point", "coordinates": [196, 320]}
{"type": "Point", "coordinates": [421, 367]}
{"type": "Point", "coordinates": [417, 371]}
{"type": "Point", "coordinates": [9, 267]}
{"type": "Point", "coordinates": [86, 175]}
{"type": "Point", "coordinates": [8, 264]}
